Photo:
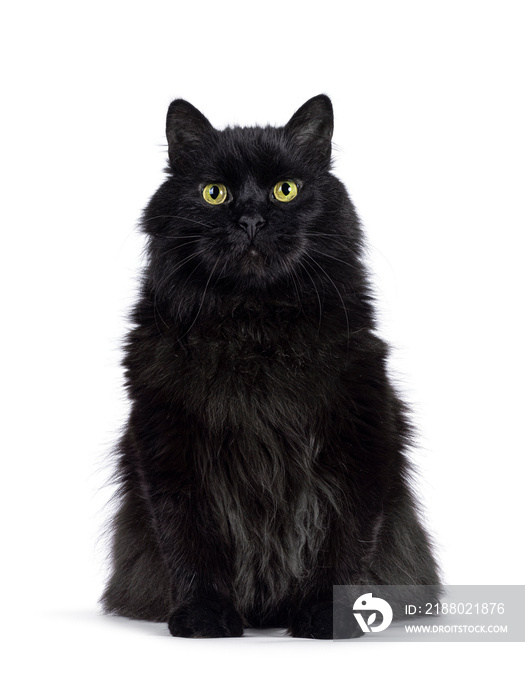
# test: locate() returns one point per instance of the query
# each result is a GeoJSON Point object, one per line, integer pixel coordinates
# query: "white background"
{"type": "Point", "coordinates": [429, 136]}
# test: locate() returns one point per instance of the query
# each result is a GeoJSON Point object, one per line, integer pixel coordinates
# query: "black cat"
{"type": "Point", "coordinates": [264, 457]}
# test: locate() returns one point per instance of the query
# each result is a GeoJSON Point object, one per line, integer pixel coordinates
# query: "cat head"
{"type": "Point", "coordinates": [246, 206]}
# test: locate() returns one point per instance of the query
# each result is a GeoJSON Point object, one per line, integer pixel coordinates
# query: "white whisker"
{"type": "Point", "coordinates": [339, 294]}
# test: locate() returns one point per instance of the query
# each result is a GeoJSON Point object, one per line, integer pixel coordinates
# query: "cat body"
{"type": "Point", "coordinates": [264, 457]}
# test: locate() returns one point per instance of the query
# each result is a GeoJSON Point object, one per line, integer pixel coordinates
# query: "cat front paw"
{"type": "Point", "coordinates": [205, 618]}
{"type": "Point", "coordinates": [317, 622]}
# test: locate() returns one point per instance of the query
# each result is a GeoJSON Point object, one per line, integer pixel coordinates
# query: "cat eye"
{"type": "Point", "coordinates": [285, 191]}
{"type": "Point", "coordinates": [215, 193]}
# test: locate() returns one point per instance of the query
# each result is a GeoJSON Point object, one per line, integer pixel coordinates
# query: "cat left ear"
{"type": "Point", "coordinates": [312, 126]}
{"type": "Point", "coordinates": [186, 128]}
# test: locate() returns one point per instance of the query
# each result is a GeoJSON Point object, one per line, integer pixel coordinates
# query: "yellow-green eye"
{"type": "Point", "coordinates": [215, 193]}
{"type": "Point", "coordinates": [285, 190]}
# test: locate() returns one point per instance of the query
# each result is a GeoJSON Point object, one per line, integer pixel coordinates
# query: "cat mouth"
{"type": "Point", "coordinates": [253, 261]}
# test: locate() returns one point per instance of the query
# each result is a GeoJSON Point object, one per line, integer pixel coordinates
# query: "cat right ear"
{"type": "Point", "coordinates": [186, 129]}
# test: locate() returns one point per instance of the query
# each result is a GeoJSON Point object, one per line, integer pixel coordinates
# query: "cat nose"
{"type": "Point", "coordinates": [251, 223]}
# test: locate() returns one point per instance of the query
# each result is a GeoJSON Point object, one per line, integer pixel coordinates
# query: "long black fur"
{"type": "Point", "coordinates": [264, 459]}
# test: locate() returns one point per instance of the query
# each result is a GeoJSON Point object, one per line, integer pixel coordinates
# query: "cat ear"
{"type": "Point", "coordinates": [312, 126]}
{"type": "Point", "coordinates": [186, 128]}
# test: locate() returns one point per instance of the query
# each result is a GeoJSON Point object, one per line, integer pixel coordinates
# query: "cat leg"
{"type": "Point", "coordinates": [199, 571]}
{"type": "Point", "coordinates": [196, 557]}
{"type": "Point", "coordinates": [344, 557]}
{"type": "Point", "coordinates": [352, 530]}
{"type": "Point", "coordinates": [313, 615]}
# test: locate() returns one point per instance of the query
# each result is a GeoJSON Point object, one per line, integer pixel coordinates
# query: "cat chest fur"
{"type": "Point", "coordinates": [258, 452]}
{"type": "Point", "coordinates": [239, 372]}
